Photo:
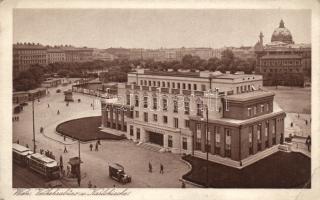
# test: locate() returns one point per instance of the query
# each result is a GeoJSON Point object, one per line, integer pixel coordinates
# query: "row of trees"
{"type": "Point", "coordinates": [118, 69]}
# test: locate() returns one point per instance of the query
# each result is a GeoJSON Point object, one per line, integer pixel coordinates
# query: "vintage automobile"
{"type": "Point", "coordinates": [116, 172]}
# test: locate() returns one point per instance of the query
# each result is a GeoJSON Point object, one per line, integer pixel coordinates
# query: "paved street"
{"type": "Point", "coordinates": [134, 158]}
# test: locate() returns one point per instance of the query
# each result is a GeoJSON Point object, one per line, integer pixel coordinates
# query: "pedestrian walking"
{"type": "Point", "coordinates": [96, 149]}
{"type": "Point", "coordinates": [298, 115]}
{"type": "Point", "coordinates": [161, 169]}
{"type": "Point", "coordinates": [89, 184]}
{"type": "Point", "coordinates": [94, 186]}
{"type": "Point", "coordinates": [183, 185]}
{"type": "Point", "coordinates": [99, 143]}
{"type": "Point", "coordinates": [79, 180]}
{"type": "Point", "coordinates": [58, 112]}
{"type": "Point", "coordinates": [65, 150]}
{"type": "Point", "coordinates": [68, 170]}
{"type": "Point", "coordinates": [61, 162]}
{"type": "Point", "coordinates": [291, 124]}
{"type": "Point", "coordinates": [48, 105]}
{"type": "Point", "coordinates": [306, 122]}
{"type": "Point", "coordinates": [150, 167]}
{"type": "Point", "coordinates": [64, 138]}
{"type": "Point", "coordinates": [91, 146]}
{"type": "Point", "coordinates": [38, 100]}
{"type": "Point", "coordinates": [308, 142]}
{"type": "Point", "coordinates": [18, 141]}
{"type": "Point", "coordinates": [27, 145]}
{"type": "Point", "coordinates": [17, 118]}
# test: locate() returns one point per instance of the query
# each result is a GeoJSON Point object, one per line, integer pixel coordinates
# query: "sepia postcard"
{"type": "Point", "coordinates": [159, 99]}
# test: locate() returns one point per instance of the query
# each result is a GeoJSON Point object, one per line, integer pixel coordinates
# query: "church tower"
{"type": "Point", "coordinates": [261, 39]}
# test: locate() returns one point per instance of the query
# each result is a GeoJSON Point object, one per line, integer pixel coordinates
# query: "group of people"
{"type": "Point", "coordinates": [90, 185]}
{"type": "Point", "coordinates": [15, 118]}
{"type": "Point", "coordinates": [48, 153]}
{"type": "Point", "coordinates": [161, 168]}
{"type": "Point", "coordinates": [96, 146]}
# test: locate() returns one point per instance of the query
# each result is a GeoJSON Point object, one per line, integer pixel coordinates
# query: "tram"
{"type": "Point", "coordinates": [20, 154]}
{"type": "Point", "coordinates": [44, 165]}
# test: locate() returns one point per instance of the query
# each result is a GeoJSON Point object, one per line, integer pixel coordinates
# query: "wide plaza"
{"type": "Point", "coordinates": [135, 159]}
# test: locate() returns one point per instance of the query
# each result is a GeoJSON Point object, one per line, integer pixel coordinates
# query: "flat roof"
{"type": "Point", "coordinates": [279, 56]}
{"type": "Point", "coordinates": [249, 95]}
{"type": "Point", "coordinates": [214, 75]}
{"type": "Point", "coordinates": [21, 149]}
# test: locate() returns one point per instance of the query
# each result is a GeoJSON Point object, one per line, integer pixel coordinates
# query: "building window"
{"type": "Point", "coordinates": [249, 112]}
{"type": "Point", "coordinates": [131, 130]}
{"type": "Point", "coordinates": [217, 138]}
{"type": "Point", "coordinates": [203, 87]}
{"type": "Point", "coordinates": [165, 104]}
{"type": "Point", "coordinates": [169, 141]}
{"type": "Point", "coordinates": [198, 137]}
{"type": "Point", "coordinates": [163, 84]}
{"type": "Point", "coordinates": [145, 102]}
{"type": "Point", "coordinates": [178, 84]}
{"type": "Point", "coordinates": [187, 123]}
{"type": "Point", "coordinates": [189, 86]}
{"type": "Point", "coordinates": [165, 119]}
{"type": "Point", "coordinates": [145, 116]}
{"type": "Point", "coordinates": [208, 143]}
{"type": "Point", "coordinates": [168, 84]}
{"type": "Point", "coordinates": [183, 86]}
{"type": "Point", "coordinates": [128, 99]}
{"type": "Point", "coordinates": [154, 83]}
{"type": "Point", "coordinates": [227, 105]}
{"type": "Point", "coordinates": [266, 134]}
{"type": "Point", "coordinates": [184, 143]}
{"type": "Point", "coordinates": [237, 90]}
{"type": "Point", "coordinates": [158, 83]}
{"type": "Point", "coordinates": [136, 104]}
{"type": "Point", "coordinates": [194, 86]}
{"type": "Point", "coordinates": [186, 107]}
{"type": "Point", "coordinates": [155, 117]}
{"type": "Point", "coordinates": [145, 82]}
{"type": "Point", "coordinates": [259, 137]}
{"type": "Point", "coordinates": [149, 83]}
{"type": "Point", "coordinates": [137, 114]}
{"type": "Point", "coordinates": [267, 107]}
{"type": "Point", "coordinates": [175, 106]}
{"type": "Point", "coordinates": [255, 110]}
{"type": "Point", "coordinates": [228, 142]}
{"type": "Point", "coordinates": [173, 85]}
{"type": "Point", "coordinates": [250, 140]}
{"type": "Point", "coordinates": [199, 109]}
{"type": "Point", "coordinates": [176, 122]}
{"type": "Point", "coordinates": [155, 103]}
{"type": "Point", "coordinates": [138, 133]}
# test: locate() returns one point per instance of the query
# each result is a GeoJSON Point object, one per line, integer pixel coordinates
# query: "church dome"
{"type": "Point", "coordinates": [282, 34]}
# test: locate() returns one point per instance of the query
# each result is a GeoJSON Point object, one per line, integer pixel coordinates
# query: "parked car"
{"type": "Point", "coordinates": [116, 172]}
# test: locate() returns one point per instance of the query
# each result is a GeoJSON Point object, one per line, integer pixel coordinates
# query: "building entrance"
{"type": "Point", "coordinates": [156, 138]}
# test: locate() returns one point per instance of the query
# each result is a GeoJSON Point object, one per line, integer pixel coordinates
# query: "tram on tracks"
{"type": "Point", "coordinates": [37, 162]}
{"type": "Point", "coordinates": [20, 154]}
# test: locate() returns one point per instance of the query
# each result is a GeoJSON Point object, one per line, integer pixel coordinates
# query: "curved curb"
{"type": "Point", "coordinates": [187, 181]}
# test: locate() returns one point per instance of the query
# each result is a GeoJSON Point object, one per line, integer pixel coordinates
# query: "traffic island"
{"type": "Point", "coordinates": [280, 170]}
{"type": "Point", "coordinates": [85, 129]}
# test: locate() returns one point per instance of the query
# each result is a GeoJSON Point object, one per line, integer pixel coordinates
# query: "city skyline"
{"type": "Point", "coordinates": [163, 29]}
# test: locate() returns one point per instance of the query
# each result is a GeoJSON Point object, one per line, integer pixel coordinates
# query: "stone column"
{"type": "Point", "coordinates": [165, 140]}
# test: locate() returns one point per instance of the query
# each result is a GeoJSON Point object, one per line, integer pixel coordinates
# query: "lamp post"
{"type": "Point", "coordinates": [206, 144]}
{"type": "Point", "coordinates": [79, 174]}
{"type": "Point", "coordinates": [34, 135]}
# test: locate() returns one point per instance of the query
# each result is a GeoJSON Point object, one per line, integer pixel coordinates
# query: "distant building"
{"type": "Point", "coordinates": [56, 55]}
{"type": "Point", "coordinates": [74, 54]}
{"type": "Point", "coordinates": [282, 62]}
{"type": "Point", "coordinates": [103, 55]}
{"type": "Point", "coordinates": [27, 54]}
{"type": "Point", "coordinates": [121, 53]}
{"type": "Point", "coordinates": [167, 110]}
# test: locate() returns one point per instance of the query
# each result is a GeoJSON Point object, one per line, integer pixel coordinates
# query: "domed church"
{"type": "Point", "coordinates": [282, 62]}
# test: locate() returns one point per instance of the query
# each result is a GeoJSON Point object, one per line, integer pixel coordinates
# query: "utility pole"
{"type": "Point", "coordinates": [207, 150]}
{"type": "Point", "coordinates": [79, 174]}
{"type": "Point", "coordinates": [34, 135]}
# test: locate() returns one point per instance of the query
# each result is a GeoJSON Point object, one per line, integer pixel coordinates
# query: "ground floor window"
{"type": "Point", "coordinates": [217, 150]}
{"type": "Point", "coordinates": [169, 141]}
{"type": "Point", "coordinates": [184, 143]}
{"type": "Point", "coordinates": [228, 150]}
{"type": "Point", "coordinates": [131, 130]}
{"type": "Point", "coordinates": [138, 133]}
{"type": "Point", "coordinates": [250, 149]}
{"type": "Point", "coordinates": [198, 144]}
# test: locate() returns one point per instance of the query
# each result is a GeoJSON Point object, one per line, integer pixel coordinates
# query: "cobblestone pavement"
{"type": "Point", "coordinates": [135, 159]}
{"type": "Point", "coordinates": [300, 127]}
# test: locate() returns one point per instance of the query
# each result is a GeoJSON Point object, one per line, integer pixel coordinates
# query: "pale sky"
{"type": "Point", "coordinates": [141, 28]}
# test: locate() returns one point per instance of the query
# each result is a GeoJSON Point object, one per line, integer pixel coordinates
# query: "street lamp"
{"type": "Point", "coordinates": [206, 144]}
{"type": "Point", "coordinates": [34, 135]}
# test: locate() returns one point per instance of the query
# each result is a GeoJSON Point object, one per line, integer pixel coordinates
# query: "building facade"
{"type": "Point", "coordinates": [282, 62]}
{"type": "Point", "coordinates": [169, 110]}
{"type": "Point", "coordinates": [27, 54]}
{"type": "Point", "coordinates": [56, 55]}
